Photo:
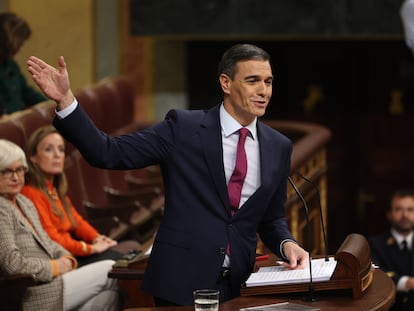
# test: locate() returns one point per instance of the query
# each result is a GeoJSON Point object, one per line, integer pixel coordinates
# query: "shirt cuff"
{"type": "Point", "coordinates": [61, 114]}
{"type": "Point", "coordinates": [401, 284]}
{"type": "Point", "coordinates": [55, 268]}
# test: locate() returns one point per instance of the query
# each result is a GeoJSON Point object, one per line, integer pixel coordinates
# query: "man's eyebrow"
{"type": "Point", "coordinates": [257, 77]}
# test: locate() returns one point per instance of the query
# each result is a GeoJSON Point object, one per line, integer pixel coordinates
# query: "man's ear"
{"type": "Point", "coordinates": [225, 83]}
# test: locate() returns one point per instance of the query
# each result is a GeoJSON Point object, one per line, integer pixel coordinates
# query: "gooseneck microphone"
{"type": "Point", "coordinates": [311, 297]}
{"type": "Point", "coordinates": [313, 184]}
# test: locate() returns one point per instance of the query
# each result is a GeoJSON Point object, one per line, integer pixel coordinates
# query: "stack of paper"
{"type": "Point", "coordinates": [321, 271]}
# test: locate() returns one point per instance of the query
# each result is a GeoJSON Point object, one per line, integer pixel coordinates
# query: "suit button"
{"type": "Point", "coordinates": [222, 250]}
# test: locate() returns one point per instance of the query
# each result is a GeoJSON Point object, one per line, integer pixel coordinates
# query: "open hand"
{"type": "Point", "coordinates": [54, 82]}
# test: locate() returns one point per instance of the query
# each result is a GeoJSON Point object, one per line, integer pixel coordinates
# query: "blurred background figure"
{"type": "Point", "coordinates": [27, 249]}
{"type": "Point", "coordinates": [407, 17]}
{"type": "Point", "coordinates": [15, 93]}
{"type": "Point", "coordinates": [392, 251]}
{"type": "Point", "coordinates": [46, 188]}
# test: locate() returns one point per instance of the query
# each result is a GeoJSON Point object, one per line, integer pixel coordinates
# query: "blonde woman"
{"type": "Point", "coordinates": [46, 188]}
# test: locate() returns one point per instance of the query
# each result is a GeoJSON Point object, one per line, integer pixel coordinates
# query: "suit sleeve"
{"type": "Point", "coordinates": [130, 151]}
{"type": "Point", "coordinates": [273, 229]}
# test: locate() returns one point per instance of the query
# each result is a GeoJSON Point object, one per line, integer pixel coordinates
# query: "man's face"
{"type": "Point", "coordinates": [401, 215]}
{"type": "Point", "coordinates": [249, 93]}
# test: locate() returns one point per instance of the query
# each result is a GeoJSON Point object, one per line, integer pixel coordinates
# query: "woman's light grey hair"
{"type": "Point", "coordinates": [10, 153]}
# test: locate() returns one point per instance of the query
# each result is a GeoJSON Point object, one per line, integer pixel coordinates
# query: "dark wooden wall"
{"type": "Point", "coordinates": [263, 17]}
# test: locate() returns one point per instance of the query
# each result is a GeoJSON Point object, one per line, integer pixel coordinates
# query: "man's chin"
{"type": "Point", "coordinates": [260, 112]}
{"type": "Point", "coordinates": [404, 229]}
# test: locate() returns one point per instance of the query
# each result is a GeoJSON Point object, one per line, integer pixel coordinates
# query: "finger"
{"type": "Point", "coordinates": [32, 70]}
{"type": "Point", "coordinates": [38, 62]}
{"type": "Point", "coordinates": [61, 62]}
{"type": "Point", "coordinates": [302, 264]}
{"type": "Point", "coordinates": [33, 66]}
{"type": "Point", "coordinates": [293, 263]}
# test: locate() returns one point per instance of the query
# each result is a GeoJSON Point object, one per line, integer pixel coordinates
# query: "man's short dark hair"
{"type": "Point", "coordinates": [401, 193]}
{"type": "Point", "coordinates": [237, 53]}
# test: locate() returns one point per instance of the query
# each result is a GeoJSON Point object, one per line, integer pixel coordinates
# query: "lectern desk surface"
{"type": "Point", "coordinates": [379, 296]}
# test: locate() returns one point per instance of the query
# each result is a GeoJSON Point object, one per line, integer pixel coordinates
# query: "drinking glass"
{"type": "Point", "coordinates": [206, 300]}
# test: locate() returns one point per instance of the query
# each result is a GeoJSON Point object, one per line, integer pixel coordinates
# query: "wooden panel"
{"type": "Point", "coordinates": [60, 28]}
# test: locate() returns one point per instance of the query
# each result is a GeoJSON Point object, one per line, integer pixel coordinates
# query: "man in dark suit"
{"type": "Point", "coordinates": [200, 243]}
{"type": "Point", "coordinates": [392, 251]}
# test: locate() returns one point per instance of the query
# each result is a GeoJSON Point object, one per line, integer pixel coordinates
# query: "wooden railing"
{"type": "Point", "coordinates": [309, 159]}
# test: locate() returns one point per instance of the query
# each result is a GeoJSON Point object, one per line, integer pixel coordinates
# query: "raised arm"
{"type": "Point", "coordinates": [54, 82]}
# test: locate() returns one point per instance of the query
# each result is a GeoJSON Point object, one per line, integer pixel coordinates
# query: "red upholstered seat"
{"type": "Point", "coordinates": [12, 132]}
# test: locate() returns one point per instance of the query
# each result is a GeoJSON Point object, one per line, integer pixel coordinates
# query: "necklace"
{"type": "Point", "coordinates": [53, 193]}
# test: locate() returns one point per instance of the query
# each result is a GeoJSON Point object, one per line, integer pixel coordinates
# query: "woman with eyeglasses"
{"type": "Point", "coordinates": [46, 187]}
{"type": "Point", "coordinates": [25, 248]}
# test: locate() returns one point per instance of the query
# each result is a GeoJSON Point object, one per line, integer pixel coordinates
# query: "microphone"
{"type": "Point", "coordinates": [311, 297]}
{"type": "Point", "coordinates": [313, 184]}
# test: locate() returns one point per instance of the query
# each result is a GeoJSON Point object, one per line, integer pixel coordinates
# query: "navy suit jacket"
{"type": "Point", "coordinates": [190, 245]}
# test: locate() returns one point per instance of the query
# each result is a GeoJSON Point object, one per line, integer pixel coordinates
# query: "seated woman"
{"type": "Point", "coordinates": [46, 187]}
{"type": "Point", "coordinates": [27, 249]}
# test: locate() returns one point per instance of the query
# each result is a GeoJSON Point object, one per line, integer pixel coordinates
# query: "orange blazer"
{"type": "Point", "coordinates": [61, 230]}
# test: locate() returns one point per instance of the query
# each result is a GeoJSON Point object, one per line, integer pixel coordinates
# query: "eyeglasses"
{"type": "Point", "coordinates": [8, 173]}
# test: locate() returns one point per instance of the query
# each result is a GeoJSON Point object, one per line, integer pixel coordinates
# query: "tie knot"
{"type": "Point", "coordinates": [243, 132]}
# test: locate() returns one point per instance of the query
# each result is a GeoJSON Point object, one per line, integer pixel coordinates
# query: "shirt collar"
{"type": "Point", "coordinates": [399, 238]}
{"type": "Point", "coordinates": [229, 125]}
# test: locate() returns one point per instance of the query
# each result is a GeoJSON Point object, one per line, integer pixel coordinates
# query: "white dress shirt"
{"type": "Point", "coordinates": [230, 138]}
{"type": "Point", "coordinates": [409, 239]}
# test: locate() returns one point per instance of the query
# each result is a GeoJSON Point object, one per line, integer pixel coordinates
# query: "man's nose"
{"type": "Point", "coordinates": [261, 88]}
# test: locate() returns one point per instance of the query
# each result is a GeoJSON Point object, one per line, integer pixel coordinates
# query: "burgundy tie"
{"type": "Point", "coordinates": [236, 181]}
{"type": "Point", "coordinates": [235, 185]}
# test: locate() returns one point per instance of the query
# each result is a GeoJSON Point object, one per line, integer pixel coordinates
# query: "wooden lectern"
{"type": "Point", "coordinates": [353, 271]}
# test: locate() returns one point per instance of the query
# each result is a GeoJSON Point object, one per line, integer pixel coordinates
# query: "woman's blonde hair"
{"type": "Point", "coordinates": [36, 178]}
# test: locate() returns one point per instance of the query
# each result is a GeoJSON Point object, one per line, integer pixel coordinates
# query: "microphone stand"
{"type": "Point", "coordinates": [325, 239]}
{"type": "Point", "coordinates": [311, 296]}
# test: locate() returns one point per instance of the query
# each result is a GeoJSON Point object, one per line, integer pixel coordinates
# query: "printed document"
{"type": "Point", "coordinates": [321, 271]}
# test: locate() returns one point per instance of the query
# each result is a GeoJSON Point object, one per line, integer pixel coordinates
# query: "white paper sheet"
{"type": "Point", "coordinates": [321, 271]}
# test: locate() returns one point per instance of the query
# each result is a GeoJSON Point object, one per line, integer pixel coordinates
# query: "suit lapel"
{"type": "Point", "coordinates": [395, 254]}
{"type": "Point", "coordinates": [210, 135]}
{"type": "Point", "coordinates": [27, 221]}
{"type": "Point", "coordinates": [412, 258]}
{"type": "Point", "coordinates": [267, 154]}
{"type": "Point", "coordinates": [211, 142]}
{"type": "Point", "coordinates": [22, 218]}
